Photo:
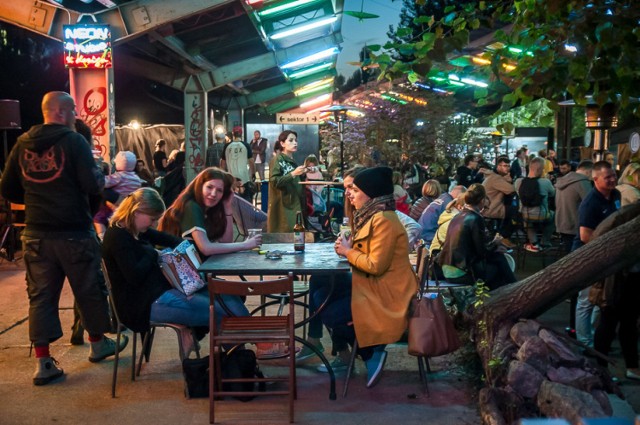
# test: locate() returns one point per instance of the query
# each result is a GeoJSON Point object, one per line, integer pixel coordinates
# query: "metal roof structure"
{"type": "Point", "coordinates": [246, 53]}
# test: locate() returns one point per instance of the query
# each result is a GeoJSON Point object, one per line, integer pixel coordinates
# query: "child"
{"type": "Point", "coordinates": [117, 185]}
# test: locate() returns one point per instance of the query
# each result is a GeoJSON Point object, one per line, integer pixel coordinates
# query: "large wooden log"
{"type": "Point", "coordinates": [532, 296]}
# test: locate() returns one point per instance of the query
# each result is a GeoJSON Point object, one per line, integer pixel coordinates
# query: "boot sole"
{"type": "Point", "coordinates": [45, 381]}
{"type": "Point", "coordinates": [101, 358]}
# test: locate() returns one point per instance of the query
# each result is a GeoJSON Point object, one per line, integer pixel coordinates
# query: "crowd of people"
{"type": "Point", "coordinates": [78, 213]}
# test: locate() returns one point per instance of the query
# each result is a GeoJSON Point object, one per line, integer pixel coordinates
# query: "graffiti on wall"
{"type": "Point", "coordinates": [195, 136]}
{"type": "Point", "coordinates": [94, 113]}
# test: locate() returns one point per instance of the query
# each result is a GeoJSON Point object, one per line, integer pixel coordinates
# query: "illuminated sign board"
{"type": "Point", "coordinates": [87, 46]}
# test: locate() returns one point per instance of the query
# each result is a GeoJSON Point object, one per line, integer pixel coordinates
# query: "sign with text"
{"type": "Point", "coordinates": [87, 46]}
{"type": "Point", "coordinates": [297, 119]}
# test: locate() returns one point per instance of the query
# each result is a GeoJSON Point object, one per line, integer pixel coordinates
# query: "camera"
{"type": "Point", "coordinates": [311, 169]}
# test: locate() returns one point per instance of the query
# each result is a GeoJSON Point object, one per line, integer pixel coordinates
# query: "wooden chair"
{"type": "Point", "coordinates": [239, 330]}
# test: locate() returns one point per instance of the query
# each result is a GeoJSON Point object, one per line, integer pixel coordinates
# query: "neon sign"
{"type": "Point", "coordinates": [87, 46]}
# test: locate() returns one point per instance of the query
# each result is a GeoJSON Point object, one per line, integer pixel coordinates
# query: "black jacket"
{"type": "Point", "coordinates": [52, 171]}
{"type": "Point", "coordinates": [465, 246]}
{"type": "Point", "coordinates": [135, 275]}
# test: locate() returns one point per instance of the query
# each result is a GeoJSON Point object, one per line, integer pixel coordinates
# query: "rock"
{"type": "Point", "coordinates": [562, 401]}
{"type": "Point", "coordinates": [535, 352]}
{"type": "Point", "coordinates": [524, 330]}
{"type": "Point", "coordinates": [603, 399]}
{"type": "Point", "coordinates": [524, 378]}
{"type": "Point", "coordinates": [566, 355]}
{"type": "Point", "coordinates": [575, 377]}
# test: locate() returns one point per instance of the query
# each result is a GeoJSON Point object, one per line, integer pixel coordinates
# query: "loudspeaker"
{"type": "Point", "coordinates": [9, 114]}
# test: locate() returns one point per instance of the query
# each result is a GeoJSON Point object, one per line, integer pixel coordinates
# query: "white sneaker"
{"type": "Point", "coordinates": [46, 371]}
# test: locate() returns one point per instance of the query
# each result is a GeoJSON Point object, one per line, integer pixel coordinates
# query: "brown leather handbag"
{"type": "Point", "coordinates": [431, 330]}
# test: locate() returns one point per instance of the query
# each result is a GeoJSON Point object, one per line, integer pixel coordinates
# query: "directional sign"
{"type": "Point", "coordinates": [297, 118]}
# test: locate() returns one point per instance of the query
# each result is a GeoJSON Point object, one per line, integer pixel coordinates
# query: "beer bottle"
{"type": "Point", "coordinates": [298, 233]}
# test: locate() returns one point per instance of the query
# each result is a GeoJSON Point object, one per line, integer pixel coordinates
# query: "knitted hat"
{"type": "Point", "coordinates": [375, 181]}
{"type": "Point", "coordinates": [125, 161]}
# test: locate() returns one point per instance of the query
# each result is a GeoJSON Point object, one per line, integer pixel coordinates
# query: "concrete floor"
{"type": "Point", "coordinates": [83, 395]}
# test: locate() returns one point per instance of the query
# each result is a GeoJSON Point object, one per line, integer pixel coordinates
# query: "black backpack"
{"type": "Point", "coordinates": [240, 363]}
{"type": "Point", "coordinates": [529, 192]}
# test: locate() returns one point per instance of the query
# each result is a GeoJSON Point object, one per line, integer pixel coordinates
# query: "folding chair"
{"type": "Point", "coordinates": [235, 331]}
{"type": "Point", "coordinates": [119, 327]}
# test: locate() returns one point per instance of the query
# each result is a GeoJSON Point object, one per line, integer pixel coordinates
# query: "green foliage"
{"type": "Point", "coordinates": [604, 34]}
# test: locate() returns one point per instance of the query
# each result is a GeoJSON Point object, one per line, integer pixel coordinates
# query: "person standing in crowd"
{"type": "Point", "coordinates": [237, 159]}
{"type": "Point", "coordinates": [52, 171]}
{"type": "Point", "coordinates": [619, 309]}
{"type": "Point", "coordinates": [564, 167]}
{"type": "Point", "coordinates": [500, 192]}
{"type": "Point", "coordinates": [286, 195]}
{"type": "Point", "coordinates": [465, 173]}
{"type": "Point", "coordinates": [214, 151]}
{"type": "Point", "coordinates": [538, 215]}
{"type": "Point", "coordinates": [629, 184]}
{"type": "Point", "coordinates": [160, 158]}
{"type": "Point", "coordinates": [519, 165]}
{"type": "Point", "coordinates": [431, 189]}
{"type": "Point", "coordinates": [143, 172]}
{"type": "Point", "coordinates": [259, 147]}
{"type": "Point", "coordinates": [602, 201]}
{"type": "Point", "coordinates": [571, 189]}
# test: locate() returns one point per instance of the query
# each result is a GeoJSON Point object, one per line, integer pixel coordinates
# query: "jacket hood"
{"type": "Point", "coordinates": [569, 179]}
{"type": "Point", "coordinates": [41, 137]}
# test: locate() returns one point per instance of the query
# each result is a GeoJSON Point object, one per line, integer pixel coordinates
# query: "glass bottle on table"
{"type": "Point", "coordinates": [298, 233]}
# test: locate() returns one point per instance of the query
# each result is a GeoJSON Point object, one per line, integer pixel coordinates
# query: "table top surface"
{"type": "Point", "coordinates": [318, 258]}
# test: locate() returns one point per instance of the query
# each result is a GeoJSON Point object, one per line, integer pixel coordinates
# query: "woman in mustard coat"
{"type": "Point", "coordinates": [383, 280]}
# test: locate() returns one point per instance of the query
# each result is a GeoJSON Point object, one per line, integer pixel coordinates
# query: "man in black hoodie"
{"type": "Point", "coordinates": [52, 171]}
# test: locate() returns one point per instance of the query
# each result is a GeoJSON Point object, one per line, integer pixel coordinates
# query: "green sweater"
{"type": "Point", "coordinates": [286, 195]}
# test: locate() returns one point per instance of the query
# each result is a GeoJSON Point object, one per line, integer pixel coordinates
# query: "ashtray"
{"type": "Point", "coordinates": [273, 255]}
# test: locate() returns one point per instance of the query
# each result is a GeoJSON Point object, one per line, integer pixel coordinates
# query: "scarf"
{"type": "Point", "coordinates": [372, 206]}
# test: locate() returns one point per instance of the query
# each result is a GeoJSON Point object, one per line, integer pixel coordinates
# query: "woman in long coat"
{"type": "Point", "coordinates": [383, 280]}
{"type": "Point", "coordinates": [286, 194]}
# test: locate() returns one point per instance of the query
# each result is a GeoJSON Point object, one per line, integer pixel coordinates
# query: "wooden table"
{"type": "Point", "coordinates": [317, 258]}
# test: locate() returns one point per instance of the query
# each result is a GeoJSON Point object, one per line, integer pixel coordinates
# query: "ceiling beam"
{"type": "Point", "coordinates": [127, 21]}
{"type": "Point", "coordinates": [294, 102]}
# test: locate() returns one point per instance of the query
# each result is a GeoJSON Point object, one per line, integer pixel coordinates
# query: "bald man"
{"type": "Point", "coordinates": [52, 171]}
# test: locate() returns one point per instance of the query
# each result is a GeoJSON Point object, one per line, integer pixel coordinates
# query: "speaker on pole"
{"type": "Point", "coordinates": [9, 119]}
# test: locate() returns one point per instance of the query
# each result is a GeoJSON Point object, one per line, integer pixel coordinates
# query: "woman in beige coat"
{"type": "Point", "coordinates": [383, 281]}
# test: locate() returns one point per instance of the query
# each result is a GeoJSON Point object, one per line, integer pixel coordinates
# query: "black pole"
{"type": "Point", "coordinates": [341, 130]}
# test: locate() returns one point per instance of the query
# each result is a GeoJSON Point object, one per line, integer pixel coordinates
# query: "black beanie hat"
{"type": "Point", "coordinates": [375, 182]}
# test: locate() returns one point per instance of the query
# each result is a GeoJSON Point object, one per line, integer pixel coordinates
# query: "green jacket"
{"type": "Point", "coordinates": [286, 195]}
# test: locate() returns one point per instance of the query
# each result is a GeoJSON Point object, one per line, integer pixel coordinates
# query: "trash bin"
{"type": "Point", "coordinates": [264, 195]}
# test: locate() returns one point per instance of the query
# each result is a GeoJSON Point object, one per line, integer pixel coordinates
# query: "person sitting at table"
{"type": "Point", "coordinates": [203, 214]}
{"type": "Point", "coordinates": [286, 195]}
{"type": "Point", "coordinates": [141, 292]}
{"type": "Point", "coordinates": [468, 253]}
{"type": "Point", "coordinates": [340, 299]}
{"type": "Point", "coordinates": [378, 253]}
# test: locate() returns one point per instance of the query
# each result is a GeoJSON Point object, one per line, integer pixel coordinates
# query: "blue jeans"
{"type": "Point", "coordinates": [337, 311]}
{"type": "Point", "coordinates": [175, 307]}
{"type": "Point", "coordinates": [586, 315]}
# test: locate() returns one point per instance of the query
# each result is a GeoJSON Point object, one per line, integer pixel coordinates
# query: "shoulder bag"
{"type": "Point", "coordinates": [431, 330]}
{"type": "Point", "coordinates": [180, 267]}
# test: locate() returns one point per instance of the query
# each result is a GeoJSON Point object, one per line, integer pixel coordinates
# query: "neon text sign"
{"type": "Point", "coordinates": [87, 46]}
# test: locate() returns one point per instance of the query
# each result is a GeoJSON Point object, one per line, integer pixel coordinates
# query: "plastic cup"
{"type": "Point", "coordinates": [253, 232]}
